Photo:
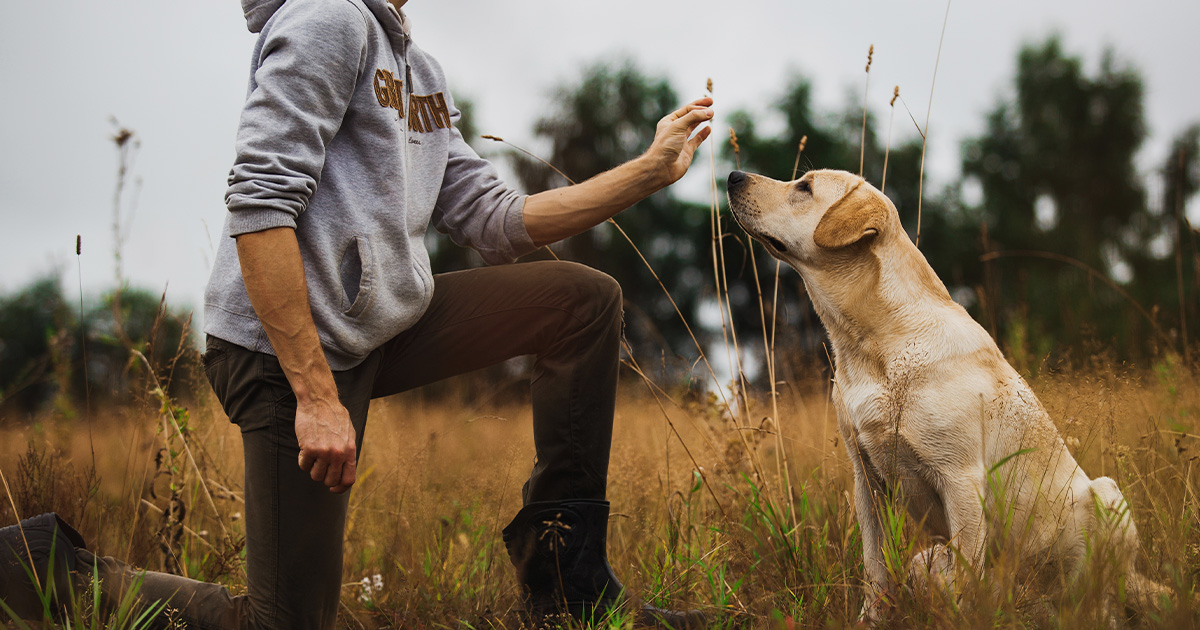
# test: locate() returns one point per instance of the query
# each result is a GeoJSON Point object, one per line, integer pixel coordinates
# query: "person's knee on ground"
{"type": "Point", "coordinates": [37, 559]}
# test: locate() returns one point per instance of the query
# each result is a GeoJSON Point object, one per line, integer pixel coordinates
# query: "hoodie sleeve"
{"type": "Point", "coordinates": [309, 59]}
{"type": "Point", "coordinates": [476, 208]}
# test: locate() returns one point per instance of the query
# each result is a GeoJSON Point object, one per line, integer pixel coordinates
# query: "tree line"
{"type": "Point", "coordinates": [1050, 237]}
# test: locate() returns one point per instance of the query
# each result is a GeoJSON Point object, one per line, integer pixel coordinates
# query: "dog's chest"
{"type": "Point", "coordinates": [876, 417]}
{"type": "Point", "coordinates": [875, 400]}
{"type": "Point", "coordinates": [899, 418]}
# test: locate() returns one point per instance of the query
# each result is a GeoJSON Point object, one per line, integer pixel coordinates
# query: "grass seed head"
{"type": "Point", "coordinates": [870, 57]}
{"type": "Point", "coordinates": [895, 95]}
{"type": "Point", "coordinates": [708, 86]}
{"type": "Point", "coordinates": [122, 136]}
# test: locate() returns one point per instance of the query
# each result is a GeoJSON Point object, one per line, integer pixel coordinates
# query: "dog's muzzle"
{"type": "Point", "coordinates": [739, 206]}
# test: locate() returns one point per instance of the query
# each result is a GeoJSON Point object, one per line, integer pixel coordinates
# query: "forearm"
{"type": "Point", "coordinates": [556, 214]}
{"type": "Point", "coordinates": [553, 215]}
{"type": "Point", "coordinates": [274, 276]}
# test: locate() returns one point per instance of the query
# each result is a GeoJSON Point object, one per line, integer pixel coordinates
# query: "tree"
{"type": "Point", "coordinates": [1066, 213]}
{"type": "Point", "coordinates": [48, 360]}
{"type": "Point", "coordinates": [128, 320]}
{"type": "Point", "coordinates": [32, 326]}
{"type": "Point", "coordinates": [1178, 256]}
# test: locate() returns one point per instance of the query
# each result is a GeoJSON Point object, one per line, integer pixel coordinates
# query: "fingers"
{"type": "Point", "coordinates": [349, 474]}
{"type": "Point", "coordinates": [336, 468]}
{"type": "Point", "coordinates": [333, 475]}
{"type": "Point", "coordinates": [319, 470]}
{"type": "Point", "coordinates": [327, 448]}
{"type": "Point", "coordinates": [700, 103]}
{"type": "Point", "coordinates": [695, 118]}
{"type": "Point", "coordinates": [699, 138]}
{"type": "Point", "coordinates": [341, 470]}
{"type": "Point", "coordinates": [306, 460]}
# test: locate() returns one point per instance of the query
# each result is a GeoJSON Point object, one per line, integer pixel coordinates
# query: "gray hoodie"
{"type": "Point", "coordinates": [348, 136]}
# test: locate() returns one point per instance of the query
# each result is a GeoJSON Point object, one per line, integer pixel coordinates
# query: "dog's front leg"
{"type": "Point", "coordinates": [868, 493]}
{"type": "Point", "coordinates": [963, 498]}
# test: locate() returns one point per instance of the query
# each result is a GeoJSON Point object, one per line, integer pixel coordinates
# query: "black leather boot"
{"type": "Point", "coordinates": [45, 535]}
{"type": "Point", "coordinates": [560, 551]}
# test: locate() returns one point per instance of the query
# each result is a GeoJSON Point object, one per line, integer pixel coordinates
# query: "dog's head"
{"type": "Point", "coordinates": [819, 215]}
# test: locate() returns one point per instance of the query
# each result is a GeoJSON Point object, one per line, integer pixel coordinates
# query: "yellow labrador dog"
{"type": "Point", "coordinates": [928, 408]}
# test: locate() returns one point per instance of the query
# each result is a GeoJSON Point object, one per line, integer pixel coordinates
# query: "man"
{"type": "Point", "coordinates": [323, 299]}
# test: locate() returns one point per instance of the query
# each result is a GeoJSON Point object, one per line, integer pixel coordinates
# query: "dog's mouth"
{"type": "Point", "coordinates": [769, 240]}
{"type": "Point", "coordinates": [773, 243]}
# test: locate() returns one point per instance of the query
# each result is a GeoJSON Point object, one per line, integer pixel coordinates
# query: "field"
{"type": "Point", "coordinates": [748, 519]}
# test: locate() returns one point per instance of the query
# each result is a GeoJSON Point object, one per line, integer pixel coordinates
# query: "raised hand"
{"type": "Point", "coordinates": [676, 139]}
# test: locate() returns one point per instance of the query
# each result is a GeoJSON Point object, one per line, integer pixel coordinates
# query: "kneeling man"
{"type": "Point", "coordinates": [322, 298]}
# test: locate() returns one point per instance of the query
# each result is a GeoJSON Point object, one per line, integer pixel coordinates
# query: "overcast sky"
{"type": "Point", "coordinates": [176, 72]}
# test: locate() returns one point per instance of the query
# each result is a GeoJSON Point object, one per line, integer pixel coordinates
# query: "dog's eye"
{"type": "Point", "coordinates": [804, 186]}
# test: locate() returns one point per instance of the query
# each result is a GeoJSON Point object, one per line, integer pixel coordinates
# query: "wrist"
{"type": "Point", "coordinates": [652, 172]}
{"type": "Point", "coordinates": [315, 388]}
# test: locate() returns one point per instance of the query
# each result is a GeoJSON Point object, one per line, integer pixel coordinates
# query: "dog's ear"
{"type": "Point", "coordinates": [858, 214]}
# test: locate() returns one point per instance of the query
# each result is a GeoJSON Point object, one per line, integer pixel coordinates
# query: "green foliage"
{"type": "Point", "coordinates": [130, 320]}
{"type": "Point", "coordinates": [1056, 168]}
{"type": "Point", "coordinates": [32, 321]}
{"type": "Point", "coordinates": [49, 358]}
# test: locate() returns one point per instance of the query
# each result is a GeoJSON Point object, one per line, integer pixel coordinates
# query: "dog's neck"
{"type": "Point", "coordinates": [869, 301]}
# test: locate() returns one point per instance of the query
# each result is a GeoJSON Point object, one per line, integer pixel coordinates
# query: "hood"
{"type": "Point", "coordinates": [259, 11]}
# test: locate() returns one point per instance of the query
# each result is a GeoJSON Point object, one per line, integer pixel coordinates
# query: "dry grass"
{"type": "Point", "coordinates": [439, 480]}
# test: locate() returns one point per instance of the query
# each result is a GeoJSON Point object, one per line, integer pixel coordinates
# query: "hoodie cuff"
{"type": "Point", "coordinates": [514, 229]}
{"type": "Point", "coordinates": [258, 219]}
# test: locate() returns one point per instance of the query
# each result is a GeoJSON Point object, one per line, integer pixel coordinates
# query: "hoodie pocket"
{"type": "Point", "coordinates": [357, 273]}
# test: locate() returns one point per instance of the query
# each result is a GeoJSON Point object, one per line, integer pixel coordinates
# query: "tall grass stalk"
{"type": "Point", "coordinates": [799, 152]}
{"type": "Point", "coordinates": [87, 385]}
{"type": "Point", "coordinates": [167, 414]}
{"type": "Point", "coordinates": [17, 515]}
{"type": "Point", "coordinates": [888, 147]}
{"type": "Point", "coordinates": [928, 112]}
{"type": "Point", "coordinates": [782, 468]}
{"type": "Point", "coordinates": [862, 148]}
{"type": "Point", "coordinates": [722, 281]}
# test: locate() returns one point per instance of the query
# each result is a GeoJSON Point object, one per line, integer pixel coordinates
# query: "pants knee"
{"type": "Point", "coordinates": [593, 295]}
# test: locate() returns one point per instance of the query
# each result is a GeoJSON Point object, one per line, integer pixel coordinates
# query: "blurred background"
{"type": "Point", "coordinates": [1054, 160]}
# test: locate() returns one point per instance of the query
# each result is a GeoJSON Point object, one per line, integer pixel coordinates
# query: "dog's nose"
{"type": "Point", "coordinates": [736, 178]}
